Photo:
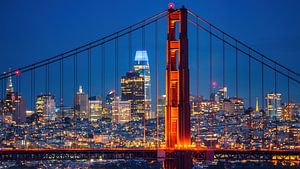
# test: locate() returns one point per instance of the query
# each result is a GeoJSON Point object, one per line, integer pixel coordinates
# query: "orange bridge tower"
{"type": "Point", "coordinates": [177, 114]}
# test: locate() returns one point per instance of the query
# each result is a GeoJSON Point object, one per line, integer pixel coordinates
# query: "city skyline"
{"type": "Point", "coordinates": [172, 91]}
{"type": "Point", "coordinates": [137, 45]}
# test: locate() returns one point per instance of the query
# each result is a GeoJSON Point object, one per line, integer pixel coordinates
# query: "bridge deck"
{"type": "Point", "coordinates": [146, 154]}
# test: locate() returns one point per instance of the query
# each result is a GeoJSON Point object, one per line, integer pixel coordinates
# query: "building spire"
{"type": "Point", "coordinates": [80, 91]}
{"type": "Point", "coordinates": [9, 88]}
{"type": "Point", "coordinates": [256, 105]}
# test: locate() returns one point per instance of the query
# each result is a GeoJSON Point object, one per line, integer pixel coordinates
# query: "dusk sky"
{"type": "Point", "coordinates": [34, 30]}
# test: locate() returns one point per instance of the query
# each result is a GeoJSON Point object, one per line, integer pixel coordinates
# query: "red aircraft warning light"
{"type": "Point", "coordinates": [17, 72]}
{"type": "Point", "coordinates": [214, 84]}
{"type": "Point", "coordinates": [171, 5]}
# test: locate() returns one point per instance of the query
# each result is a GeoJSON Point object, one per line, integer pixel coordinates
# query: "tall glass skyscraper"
{"type": "Point", "coordinates": [141, 65]}
{"type": "Point", "coordinates": [274, 109]}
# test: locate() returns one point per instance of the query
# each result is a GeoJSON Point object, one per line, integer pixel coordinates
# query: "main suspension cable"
{"type": "Point", "coordinates": [246, 53]}
{"type": "Point", "coordinates": [243, 44]}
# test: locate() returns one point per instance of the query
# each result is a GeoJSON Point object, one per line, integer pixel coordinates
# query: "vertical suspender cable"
{"type": "Point", "coordinates": [89, 81]}
{"type": "Point", "coordinates": [197, 82]}
{"type": "Point", "coordinates": [116, 65]}
{"type": "Point", "coordinates": [62, 85]}
{"type": "Point", "coordinates": [3, 97]}
{"type": "Point", "coordinates": [262, 84]}
{"type": "Point", "coordinates": [34, 90]}
{"type": "Point", "coordinates": [45, 85]}
{"type": "Point", "coordinates": [31, 89]}
{"type": "Point", "coordinates": [249, 76]}
{"type": "Point", "coordinates": [74, 92]}
{"type": "Point", "coordinates": [48, 83]}
{"type": "Point", "coordinates": [223, 60]}
{"type": "Point", "coordinates": [250, 92]}
{"type": "Point", "coordinates": [89, 87]}
{"type": "Point", "coordinates": [129, 49]}
{"type": "Point", "coordinates": [18, 77]}
{"type": "Point", "coordinates": [288, 99]}
{"type": "Point", "coordinates": [236, 70]}
{"type": "Point", "coordinates": [262, 99]}
{"type": "Point", "coordinates": [103, 77]}
{"type": "Point", "coordinates": [46, 89]}
{"type": "Point", "coordinates": [116, 68]}
{"type": "Point", "coordinates": [223, 78]}
{"type": "Point", "coordinates": [276, 106]}
{"type": "Point", "coordinates": [156, 84]}
{"type": "Point", "coordinates": [210, 85]}
{"type": "Point", "coordinates": [145, 115]}
{"type": "Point", "coordinates": [61, 98]}
{"type": "Point", "coordinates": [275, 78]}
{"type": "Point", "coordinates": [288, 102]}
{"type": "Point", "coordinates": [2, 93]}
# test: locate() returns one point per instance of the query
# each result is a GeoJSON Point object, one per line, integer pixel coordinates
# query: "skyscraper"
{"type": "Point", "coordinates": [45, 107]}
{"type": "Point", "coordinates": [95, 104]}
{"type": "Point", "coordinates": [81, 104]}
{"type": "Point", "coordinates": [14, 107]}
{"type": "Point", "coordinates": [121, 111]}
{"type": "Point", "coordinates": [132, 86]}
{"type": "Point", "coordinates": [141, 65]}
{"type": "Point", "coordinates": [107, 111]}
{"type": "Point", "coordinates": [274, 108]}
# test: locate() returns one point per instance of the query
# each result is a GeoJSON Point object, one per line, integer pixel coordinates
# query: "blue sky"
{"type": "Point", "coordinates": [34, 30]}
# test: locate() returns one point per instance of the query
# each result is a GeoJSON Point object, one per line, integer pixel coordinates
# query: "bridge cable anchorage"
{"type": "Point", "coordinates": [210, 87]}
{"type": "Point", "coordinates": [92, 44]}
{"type": "Point", "coordinates": [243, 44]}
{"type": "Point", "coordinates": [247, 54]}
{"type": "Point", "coordinates": [156, 84]}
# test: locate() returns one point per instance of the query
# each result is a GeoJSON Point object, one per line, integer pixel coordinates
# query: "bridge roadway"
{"type": "Point", "coordinates": [146, 154]}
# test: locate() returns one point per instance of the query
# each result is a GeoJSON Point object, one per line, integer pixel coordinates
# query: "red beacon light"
{"type": "Point", "coordinates": [214, 84]}
{"type": "Point", "coordinates": [17, 72]}
{"type": "Point", "coordinates": [171, 5]}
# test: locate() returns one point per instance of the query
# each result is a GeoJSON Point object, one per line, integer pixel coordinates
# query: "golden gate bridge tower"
{"type": "Point", "coordinates": [177, 117]}
{"type": "Point", "coordinates": [177, 114]}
